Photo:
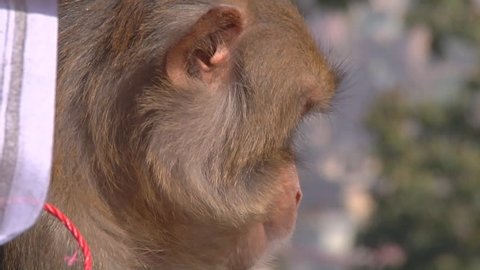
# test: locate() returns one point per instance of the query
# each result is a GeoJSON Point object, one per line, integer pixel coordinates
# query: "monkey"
{"type": "Point", "coordinates": [174, 133]}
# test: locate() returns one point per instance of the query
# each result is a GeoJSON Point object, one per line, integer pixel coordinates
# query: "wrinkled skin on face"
{"type": "Point", "coordinates": [174, 127]}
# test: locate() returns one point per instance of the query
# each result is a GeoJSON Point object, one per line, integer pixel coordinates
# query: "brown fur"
{"type": "Point", "coordinates": [161, 176]}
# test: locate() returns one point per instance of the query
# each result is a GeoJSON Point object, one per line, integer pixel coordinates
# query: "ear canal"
{"type": "Point", "coordinates": [213, 52]}
{"type": "Point", "coordinates": [205, 52]}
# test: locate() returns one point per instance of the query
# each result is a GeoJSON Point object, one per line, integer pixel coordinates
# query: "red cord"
{"type": "Point", "coordinates": [87, 264]}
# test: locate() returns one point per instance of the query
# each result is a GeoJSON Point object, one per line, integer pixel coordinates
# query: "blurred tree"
{"type": "Point", "coordinates": [459, 18]}
{"type": "Point", "coordinates": [428, 201]}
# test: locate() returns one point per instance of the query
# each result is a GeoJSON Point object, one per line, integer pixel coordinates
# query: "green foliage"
{"type": "Point", "coordinates": [429, 200]}
{"type": "Point", "coordinates": [447, 18]}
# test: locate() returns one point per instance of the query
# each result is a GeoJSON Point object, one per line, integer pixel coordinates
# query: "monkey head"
{"type": "Point", "coordinates": [185, 112]}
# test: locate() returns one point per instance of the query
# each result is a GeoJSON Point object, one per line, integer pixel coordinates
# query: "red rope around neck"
{"type": "Point", "coordinates": [87, 264]}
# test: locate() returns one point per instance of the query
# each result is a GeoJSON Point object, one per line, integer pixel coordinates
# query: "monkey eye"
{"type": "Point", "coordinates": [308, 106]}
{"type": "Point", "coordinates": [312, 106]}
{"type": "Point", "coordinates": [319, 100]}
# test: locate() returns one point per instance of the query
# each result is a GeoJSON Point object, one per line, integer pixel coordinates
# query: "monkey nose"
{"type": "Point", "coordinates": [298, 197]}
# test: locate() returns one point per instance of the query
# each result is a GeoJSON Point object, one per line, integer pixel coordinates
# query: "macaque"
{"type": "Point", "coordinates": [174, 126]}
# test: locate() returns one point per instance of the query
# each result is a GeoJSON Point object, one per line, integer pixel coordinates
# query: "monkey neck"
{"type": "Point", "coordinates": [126, 233]}
{"type": "Point", "coordinates": [74, 194]}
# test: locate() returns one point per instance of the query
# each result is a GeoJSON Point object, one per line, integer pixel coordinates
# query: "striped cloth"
{"type": "Point", "coordinates": [28, 51]}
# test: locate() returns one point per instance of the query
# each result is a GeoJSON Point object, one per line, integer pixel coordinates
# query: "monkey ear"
{"type": "Point", "coordinates": [205, 53]}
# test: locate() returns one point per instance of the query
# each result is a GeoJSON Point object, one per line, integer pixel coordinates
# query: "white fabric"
{"type": "Point", "coordinates": [28, 51]}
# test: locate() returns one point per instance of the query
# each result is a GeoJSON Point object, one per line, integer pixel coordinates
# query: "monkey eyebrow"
{"type": "Point", "coordinates": [338, 70]}
{"type": "Point", "coordinates": [321, 91]}
{"type": "Point", "coordinates": [341, 75]}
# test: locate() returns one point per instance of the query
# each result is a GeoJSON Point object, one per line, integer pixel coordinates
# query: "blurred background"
{"type": "Point", "coordinates": [391, 177]}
